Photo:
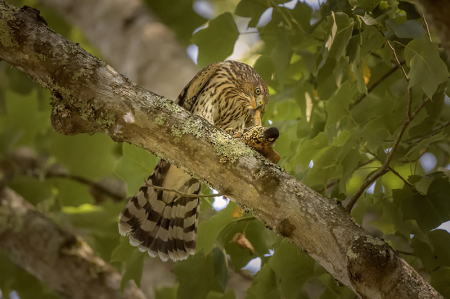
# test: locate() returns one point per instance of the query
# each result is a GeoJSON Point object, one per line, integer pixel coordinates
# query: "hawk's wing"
{"type": "Point", "coordinates": [190, 92]}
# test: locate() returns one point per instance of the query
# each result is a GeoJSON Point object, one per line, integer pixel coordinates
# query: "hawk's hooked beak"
{"type": "Point", "coordinates": [255, 106]}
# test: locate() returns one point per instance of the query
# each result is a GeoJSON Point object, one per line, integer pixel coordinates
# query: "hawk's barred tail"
{"type": "Point", "coordinates": [160, 222]}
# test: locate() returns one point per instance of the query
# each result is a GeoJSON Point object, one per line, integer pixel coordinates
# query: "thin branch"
{"type": "Point", "coordinates": [408, 109]}
{"type": "Point", "coordinates": [404, 252]}
{"type": "Point", "coordinates": [434, 132]}
{"type": "Point", "coordinates": [390, 168]}
{"type": "Point", "coordinates": [385, 167]}
{"type": "Point", "coordinates": [375, 85]}
{"type": "Point", "coordinates": [425, 25]}
{"type": "Point", "coordinates": [183, 194]}
{"type": "Point", "coordinates": [337, 181]}
{"type": "Point", "coordinates": [85, 181]}
{"type": "Point", "coordinates": [400, 177]}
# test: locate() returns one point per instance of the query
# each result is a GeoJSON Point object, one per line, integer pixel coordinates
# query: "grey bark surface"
{"type": "Point", "coordinates": [60, 259]}
{"type": "Point", "coordinates": [133, 40]}
{"type": "Point", "coordinates": [91, 97]}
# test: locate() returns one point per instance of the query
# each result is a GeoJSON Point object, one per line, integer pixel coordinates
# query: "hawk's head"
{"type": "Point", "coordinates": [252, 88]}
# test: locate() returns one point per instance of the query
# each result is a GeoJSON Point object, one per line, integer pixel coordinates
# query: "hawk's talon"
{"type": "Point", "coordinates": [233, 133]}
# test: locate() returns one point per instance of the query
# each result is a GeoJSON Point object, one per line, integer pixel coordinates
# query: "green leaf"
{"type": "Point", "coordinates": [440, 281]}
{"type": "Point", "coordinates": [31, 189]}
{"type": "Point", "coordinates": [349, 164]}
{"type": "Point", "coordinates": [166, 292]}
{"type": "Point", "coordinates": [72, 193]}
{"type": "Point", "coordinates": [215, 295]}
{"type": "Point", "coordinates": [135, 165]}
{"type": "Point", "coordinates": [24, 116]}
{"type": "Point", "coordinates": [440, 239]}
{"type": "Point", "coordinates": [133, 269]}
{"type": "Point", "coordinates": [407, 29]}
{"type": "Point", "coordinates": [333, 290]}
{"type": "Point", "coordinates": [427, 69]}
{"type": "Point", "coordinates": [311, 147]}
{"type": "Point", "coordinates": [252, 9]}
{"type": "Point", "coordinates": [264, 285]}
{"type": "Point", "coordinates": [294, 268]}
{"type": "Point", "coordinates": [424, 252]}
{"type": "Point", "coordinates": [216, 42]}
{"type": "Point", "coordinates": [178, 15]}
{"type": "Point", "coordinates": [281, 55]}
{"type": "Point", "coordinates": [338, 105]}
{"type": "Point", "coordinates": [367, 5]}
{"type": "Point", "coordinates": [209, 230]}
{"type": "Point", "coordinates": [123, 251]}
{"type": "Point", "coordinates": [340, 34]}
{"type": "Point", "coordinates": [429, 210]}
{"type": "Point", "coordinates": [357, 69]}
{"type": "Point", "coordinates": [302, 14]}
{"type": "Point", "coordinates": [89, 156]}
{"type": "Point", "coordinates": [199, 274]}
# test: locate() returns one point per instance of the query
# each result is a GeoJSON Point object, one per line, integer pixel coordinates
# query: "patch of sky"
{"type": "Point", "coordinates": [428, 162]}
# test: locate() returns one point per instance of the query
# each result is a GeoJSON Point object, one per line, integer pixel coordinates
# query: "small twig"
{"type": "Point", "coordinates": [337, 181]}
{"type": "Point", "coordinates": [385, 167]}
{"type": "Point", "coordinates": [434, 132]}
{"type": "Point", "coordinates": [390, 168]}
{"type": "Point", "coordinates": [408, 110]}
{"type": "Point", "coordinates": [400, 177]}
{"type": "Point", "coordinates": [415, 160]}
{"type": "Point", "coordinates": [183, 194]}
{"type": "Point", "coordinates": [426, 27]}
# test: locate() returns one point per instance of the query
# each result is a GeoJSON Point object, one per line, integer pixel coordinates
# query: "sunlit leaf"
{"type": "Point", "coordinates": [428, 70]}
{"type": "Point", "coordinates": [135, 165]}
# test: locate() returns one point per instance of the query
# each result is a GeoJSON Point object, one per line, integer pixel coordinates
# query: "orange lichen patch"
{"type": "Point", "coordinates": [237, 212]}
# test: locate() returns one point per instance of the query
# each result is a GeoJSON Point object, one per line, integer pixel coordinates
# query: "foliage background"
{"type": "Point", "coordinates": [338, 99]}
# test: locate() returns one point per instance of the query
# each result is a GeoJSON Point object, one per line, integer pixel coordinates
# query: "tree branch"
{"type": "Point", "coordinates": [60, 259]}
{"type": "Point", "coordinates": [90, 97]}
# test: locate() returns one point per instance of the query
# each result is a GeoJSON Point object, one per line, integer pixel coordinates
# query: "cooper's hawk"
{"type": "Point", "coordinates": [228, 94]}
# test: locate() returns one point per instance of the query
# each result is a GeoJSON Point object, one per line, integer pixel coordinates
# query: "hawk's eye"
{"type": "Point", "coordinates": [257, 91]}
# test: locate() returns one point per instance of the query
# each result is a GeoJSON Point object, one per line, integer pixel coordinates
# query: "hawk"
{"type": "Point", "coordinates": [230, 95]}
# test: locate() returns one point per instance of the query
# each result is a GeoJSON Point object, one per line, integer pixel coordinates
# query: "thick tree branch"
{"type": "Point", "coordinates": [90, 97]}
{"type": "Point", "coordinates": [60, 259]}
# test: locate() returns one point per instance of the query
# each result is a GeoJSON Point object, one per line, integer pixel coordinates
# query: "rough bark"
{"type": "Point", "coordinates": [436, 14]}
{"type": "Point", "coordinates": [90, 97]}
{"type": "Point", "coordinates": [60, 259]}
{"type": "Point", "coordinates": [133, 41]}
